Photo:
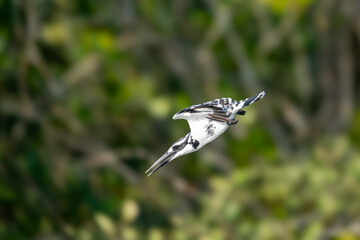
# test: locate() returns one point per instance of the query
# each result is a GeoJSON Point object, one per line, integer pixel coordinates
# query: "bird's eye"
{"type": "Point", "coordinates": [175, 147]}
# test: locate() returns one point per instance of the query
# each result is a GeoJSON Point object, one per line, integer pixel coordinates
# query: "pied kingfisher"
{"type": "Point", "coordinates": [207, 121]}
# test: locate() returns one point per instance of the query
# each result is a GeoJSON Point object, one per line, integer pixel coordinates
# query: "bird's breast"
{"type": "Point", "coordinates": [210, 132]}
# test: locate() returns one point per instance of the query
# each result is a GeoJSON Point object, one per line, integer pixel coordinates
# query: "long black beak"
{"type": "Point", "coordinates": [167, 157]}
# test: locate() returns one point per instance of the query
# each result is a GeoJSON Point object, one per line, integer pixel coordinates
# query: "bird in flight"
{"type": "Point", "coordinates": [207, 121]}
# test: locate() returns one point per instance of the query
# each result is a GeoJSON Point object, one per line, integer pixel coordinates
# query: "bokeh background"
{"type": "Point", "coordinates": [87, 94]}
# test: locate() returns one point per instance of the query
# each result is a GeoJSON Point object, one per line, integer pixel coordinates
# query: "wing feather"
{"type": "Point", "coordinates": [198, 116]}
{"type": "Point", "coordinates": [197, 111]}
{"type": "Point", "coordinates": [218, 118]}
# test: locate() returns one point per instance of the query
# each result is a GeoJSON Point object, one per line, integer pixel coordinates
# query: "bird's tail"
{"type": "Point", "coordinates": [251, 100]}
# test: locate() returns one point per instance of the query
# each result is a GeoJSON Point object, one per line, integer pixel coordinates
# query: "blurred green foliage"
{"type": "Point", "coordinates": [88, 89]}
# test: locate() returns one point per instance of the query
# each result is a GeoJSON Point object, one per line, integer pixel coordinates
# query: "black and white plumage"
{"type": "Point", "coordinates": [207, 121]}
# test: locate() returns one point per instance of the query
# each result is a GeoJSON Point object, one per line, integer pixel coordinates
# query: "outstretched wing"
{"type": "Point", "coordinates": [198, 116]}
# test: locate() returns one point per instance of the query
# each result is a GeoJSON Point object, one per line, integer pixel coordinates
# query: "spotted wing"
{"type": "Point", "coordinates": [198, 116]}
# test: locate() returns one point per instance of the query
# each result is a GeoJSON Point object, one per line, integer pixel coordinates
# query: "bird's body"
{"type": "Point", "coordinates": [207, 121]}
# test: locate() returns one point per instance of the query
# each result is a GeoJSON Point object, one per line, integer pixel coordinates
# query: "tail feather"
{"type": "Point", "coordinates": [251, 100]}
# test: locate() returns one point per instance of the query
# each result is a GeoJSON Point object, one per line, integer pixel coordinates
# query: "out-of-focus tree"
{"type": "Point", "coordinates": [88, 88]}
